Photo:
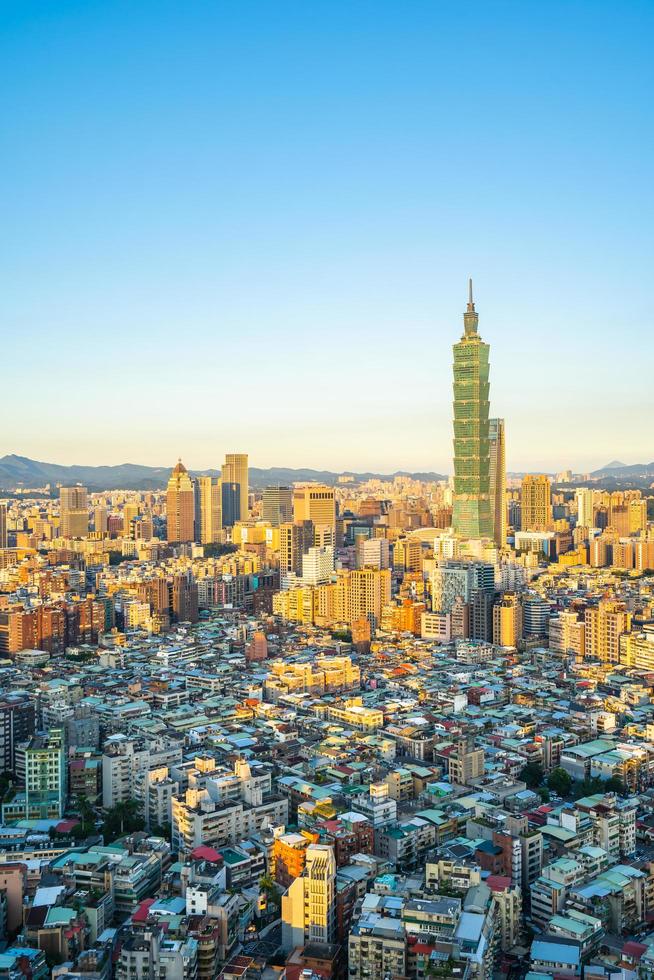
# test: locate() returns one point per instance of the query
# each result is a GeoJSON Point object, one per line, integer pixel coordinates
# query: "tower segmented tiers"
{"type": "Point", "coordinates": [472, 515]}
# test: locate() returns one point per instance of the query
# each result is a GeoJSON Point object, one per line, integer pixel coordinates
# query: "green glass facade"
{"type": "Point", "coordinates": [472, 515]}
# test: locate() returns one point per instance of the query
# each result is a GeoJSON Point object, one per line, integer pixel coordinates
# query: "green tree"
{"type": "Point", "coordinates": [560, 781]}
{"type": "Point", "coordinates": [532, 774]}
{"type": "Point", "coordinates": [86, 814]}
{"type": "Point", "coordinates": [124, 818]}
{"type": "Point", "coordinates": [615, 785]}
{"type": "Point", "coordinates": [544, 794]}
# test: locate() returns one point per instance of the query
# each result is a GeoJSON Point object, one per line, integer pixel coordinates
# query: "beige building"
{"type": "Point", "coordinates": [308, 908]}
{"type": "Point", "coordinates": [507, 620]}
{"type": "Point", "coordinates": [180, 506]}
{"type": "Point", "coordinates": [208, 510]}
{"type": "Point", "coordinates": [567, 634]}
{"type": "Point", "coordinates": [466, 762]}
{"type": "Point", "coordinates": [314, 502]}
{"type": "Point", "coordinates": [536, 503]}
{"type": "Point", "coordinates": [74, 512]}
{"type": "Point", "coordinates": [605, 624]}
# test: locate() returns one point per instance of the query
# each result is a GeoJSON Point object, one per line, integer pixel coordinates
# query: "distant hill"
{"type": "Point", "coordinates": [19, 471]}
{"type": "Point", "coordinates": [620, 471]}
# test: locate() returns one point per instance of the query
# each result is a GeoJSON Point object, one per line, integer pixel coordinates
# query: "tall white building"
{"type": "Point", "coordinates": [585, 517]}
{"type": "Point", "coordinates": [373, 553]}
{"type": "Point", "coordinates": [317, 565]}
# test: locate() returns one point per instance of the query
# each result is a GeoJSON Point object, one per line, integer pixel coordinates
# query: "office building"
{"type": "Point", "coordinates": [314, 502]}
{"type": "Point", "coordinates": [497, 444]}
{"type": "Point", "coordinates": [294, 541]}
{"type": "Point", "coordinates": [454, 579]}
{"type": "Point", "coordinates": [277, 505]}
{"type": "Point", "coordinates": [230, 496]}
{"type": "Point", "coordinates": [3, 525]}
{"type": "Point", "coordinates": [100, 520]}
{"type": "Point", "coordinates": [472, 515]}
{"type": "Point", "coordinates": [507, 621]}
{"type": "Point", "coordinates": [235, 470]}
{"type": "Point", "coordinates": [373, 553]}
{"type": "Point", "coordinates": [208, 510]}
{"type": "Point", "coordinates": [74, 512]}
{"type": "Point", "coordinates": [180, 506]}
{"type": "Point", "coordinates": [317, 565]}
{"type": "Point", "coordinates": [536, 503]}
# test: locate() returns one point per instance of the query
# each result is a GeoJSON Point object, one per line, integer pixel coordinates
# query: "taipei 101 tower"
{"type": "Point", "coordinates": [472, 516]}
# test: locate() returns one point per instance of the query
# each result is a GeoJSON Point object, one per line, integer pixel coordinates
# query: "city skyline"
{"type": "Point", "coordinates": [180, 228]}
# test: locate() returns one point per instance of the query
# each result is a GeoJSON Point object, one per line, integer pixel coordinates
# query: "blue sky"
{"type": "Point", "coordinates": [249, 227]}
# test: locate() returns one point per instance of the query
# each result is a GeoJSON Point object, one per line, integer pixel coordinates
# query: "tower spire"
{"type": "Point", "coordinates": [470, 318]}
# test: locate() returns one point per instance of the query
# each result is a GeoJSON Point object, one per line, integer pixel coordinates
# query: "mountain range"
{"type": "Point", "coordinates": [19, 471]}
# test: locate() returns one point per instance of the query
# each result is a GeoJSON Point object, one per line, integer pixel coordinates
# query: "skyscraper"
{"type": "Point", "coordinates": [585, 503]}
{"type": "Point", "coordinates": [536, 503]}
{"type": "Point", "coordinates": [74, 512]}
{"type": "Point", "coordinates": [180, 506]}
{"type": "Point", "coordinates": [235, 470]}
{"type": "Point", "coordinates": [3, 525]}
{"type": "Point", "coordinates": [471, 517]}
{"type": "Point", "coordinates": [230, 502]}
{"type": "Point", "coordinates": [315, 502]}
{"type": "Point", "coordinates": [208, 509]}
{"type": "Point", "coordinates": [277, 505]}
{"type": "Point", "coordinates": [498, 479]}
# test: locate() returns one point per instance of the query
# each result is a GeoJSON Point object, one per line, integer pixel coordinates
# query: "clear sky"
{"type": "Point", "coordinates": [239, 226]}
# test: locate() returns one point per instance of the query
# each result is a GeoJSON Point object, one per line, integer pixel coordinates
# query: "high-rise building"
{"type": "Point", "coordinates": [294, 541]}
{"type": "Point", "coordinates": [208, 509]}
{"type": "Point", "coordinates": [100, 520]}
{"type": "Point", "coordinates": [369, 591]}
{"type": "Point", "coordinates": [130, 511]}
{"type": "Point", "coordinates": [277, 505]}
{"type": "Point", "coordinates": [585, 514]}
{"type": "Point", "coordinates": [507, 620]}
{"type": "Point", "coordinates": [74, 512]}
{"type": "Point", "coordinates": [308, 907]}
{"type": "Point", "coordinates": [230, 496]}
{"type": "Point", "coordinates": [314, 502]}
{"type": "Point", "coordinates": [471, 516]}
{"type": "Point", "coordinates": [184, 598]}
{"type": "Point", "coordinates": [497, 445]}
{"type": "Point", "coordinates": [44, 759]}
{"type": "Point", "coordinates": [317, 565]}
{"type": "Point", "coordinates": [604, 625]}
{"type": "Point", "coordinates": [235, 470]}
{"type": "Point", "coordinates": [453, 579]}
{"type": "Point", "coordinates": [3, 525]}
{"type": "Point", "coordinates": [536, 503]}
{"type": "Point", "coordinates": [535, 616]}
{"type": "Point", "coordinates": [180, 506]}
{"type": "Point", "coordinates": [17, 723]}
